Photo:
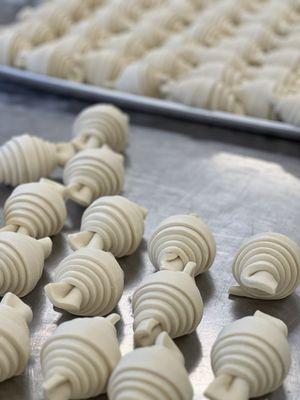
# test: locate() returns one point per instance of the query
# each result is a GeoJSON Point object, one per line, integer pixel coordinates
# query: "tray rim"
{"type": "Point", "coordinates": [150, 105]}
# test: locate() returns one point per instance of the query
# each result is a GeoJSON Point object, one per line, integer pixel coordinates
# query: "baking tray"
{"type": "Point", "coordinates": [150, 105]}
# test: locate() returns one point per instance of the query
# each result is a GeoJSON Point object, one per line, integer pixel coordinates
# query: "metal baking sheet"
{"type": "Point", "coordinates": [147, 104]}
{"type": "Point", "coordinates": [240, 185]}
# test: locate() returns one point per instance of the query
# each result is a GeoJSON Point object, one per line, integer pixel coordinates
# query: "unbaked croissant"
{"type": "Point", "coordinates": [223, 72]}
{"type": "Point", "coordinates": [12, 44]}
{"type": "Point", "coordinates": [181, 239]}
{"type": "Point", "coordinates": [250, 358]}
{"type": "Point", "coordinates": [28, 158]}
{"type": "Point", "coordinates": [151, 35]}
{"type": "Point", "coordinates": [92, 31]}
{"type": "Point", "coordinates": [75, 9]}
{"type": "Point", "coordinates": [75, 363]}
{"type": "Point", "coordinates": [204, 93]}
{"type": "Point", "coordinates": [62, 59]}
{"type": "Point", "coordinates": [36, 209]}
{"type": "Point", "coordinates": [101, 124]}
{"type": "Point", "coordinates": [140, 78]}
{"type": "Point", "coordinates": [209, 31]}
{"type": "Point", "coordinates": [166, 301]}
{"type": "Point", "coordinates": [56, 18]}
{"type": "Point", "coordinates": [21, 262]}
{"type": "Point", "coordinates": [103, 67]}
{"type": "Point", "coordinates": [128, 45]}
{"type": "Point", "coordinates": [36, 32]}
{"type": "Point", "coordinates": [112, 224]}
{"type": "Point", "coordinates": [166, 62]}
{"type": "Point", "coordinates": [245, 48]}
{"type": "Point", "coordinates": [267, 267]}
{"type": "Point", "coordinates": [15, 317]}
{"type": "Point", "coordinates": [151, 373]}
{"type": "Point", "coordinates": [88, 282]}
{"type": "Point", "coordinates": [287, 109]}
{"type": "Point", "coordinates": [111, 20]}
{"type": "Point", "coordinates": [92, 173]}
{"type": "Point", "coordinates": [262, 35]}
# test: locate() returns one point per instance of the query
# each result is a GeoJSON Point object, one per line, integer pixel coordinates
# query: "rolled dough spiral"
{"type": "Point", "coordinates": [166, 301]}
{"type": "Point", "coordinates": [166, 62]}
{"type": "Point", "coordinates": [92, 173]}
{"type": "Point", "coordinates": [224, 72]}
{"type": "Point", "coordinates": [113, 224]}
{"type": "Point", "coordinates": [75, 9]}
{"type": "Point", "coordinates": [36, 32]}
{"type": "Point", "coordinates": [36, 209]}
{"type": "Point", "coordinates": [112, 21]}
{"type": "Point", "coordinates": [151, 373]}
{"type": "Point", "coordinates": [208, 32]}
{"type": "Point", "coordinates": [12, 44]}
{"type": "Point", "coordinates": [181, 239]}
{"type": "Point", "coordinates": [21, 262]}
{"type": "Point", "coordinates": [267, 267]}
{"type": "Point", "coordinates": [90, 30]}
{"type": "Point", "coordinates": [204, 93]}
{"type": "Point", "coordinates": [88, 282]}
{"type": "Point", "coordinates": [262, 35]}
{"type": "Point", "coordinates": [103, 67]}
{"type": "Point", "coordinates": [27, 158]}
{"type": "Point", "coordinates": [75, 363]}
{"type": "Point", "coordinates": [151, 35]}
{"type": "Point", "coordinates": [140, 78]}
{"type": "Point", "coordinates": [246, 362]}
{"type": "Point", "coordinates": [58, 20]}
{"type": "Point", "coordinates": [62, 59]}
{"type": "Point", "coordinates": [15, 316]}
{"type": "Point", "coordinates": [245, 48]}
{"type": "Point", "coordinates": [287, 109]}
{"type": "Point", "coordinates": [101, 124]}
{"type": "Point", "coordinates": [128, 45]}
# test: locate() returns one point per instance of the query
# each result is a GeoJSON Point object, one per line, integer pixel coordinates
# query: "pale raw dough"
{"type": "Point", "coordinates": [111, 20]}
{"type": "Point", "coordinates": [36, 209]}
{"type": "Point", "coordinates": [151, 35]}
{"type": "Point", "coordinates": [128, 45]}
{"type": "Point", "coordinates": [92, 31]}
{"type": "Point", "coordinates": [79, 357]}
{"type": "Point", "coordinates": [223, 72]}
{"type": "Point", "coordinates": [181, 239]}
{"type": "Point", "coordinates": [250, 358]}
{"type": "Point", "coordinates": [56, 18]}
{"type": "Point", "coordinates": [62, 59]}
{"type": "Point", "coordinates": [36, 32]}
{"type": "Point", "coordinates": [166, 301]}
{"type": "Point", "coordinates": [262, 35]}
{"type": "Point", "coordinates": [287, 109]}
{"type": "Point", "coordinates": [113, 224]}
{"type": "Point", "coordinates": [142, 79]}
{"type": "Point", "coordinates": [12, 44]}
{"type": "Point", "coordinates": [88, 282]}
{"type": "Point", "coordinates": [75, 9]}
{"type": "Point", "coordinates": [15, 316]}
{"type": "Point", "coordinates": [209, 31]}
{"type": "Point", "coordinates": [27, 158]}
{"type": "Point", "coordinates": [280, 57]}
{"type": "Point", "coordinates": [166, 62]}
{"type": "Point", "coordinates": [101, 124]}
{"type": "Point", "coordinates": [245, 48]}
{"type": "Point", "coordinates": [103, 67]}
{"type": "Point", "coordinates": [204, 93]}
{"type": "Point", "coordinates": [257, 97]}
{"type": "Point", "coordinates": [267, 267]}
{"type": "Point", "coordinates": [168, 19]}
{"type": "Point", "coordinates": [21, 262]}
{"type": "Point", "coordinates": [92, 173]}
{"type": "Point", "coordinates": [151, 373]}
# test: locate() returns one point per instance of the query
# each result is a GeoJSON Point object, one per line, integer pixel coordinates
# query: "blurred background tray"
{"type": "Point", "coordinates": [151, 105]}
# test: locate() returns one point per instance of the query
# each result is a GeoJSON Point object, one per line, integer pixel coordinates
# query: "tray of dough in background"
{"type": "Point", "coordinates": [261, 40]}
{"type": "Point", "coordinates": [149, 104]}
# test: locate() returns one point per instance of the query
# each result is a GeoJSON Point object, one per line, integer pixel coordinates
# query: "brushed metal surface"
{"type": "Point", "coordinates": [239, 184]}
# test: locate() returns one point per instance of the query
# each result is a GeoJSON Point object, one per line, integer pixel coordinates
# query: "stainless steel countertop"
{"type": "Point", "coordinates": [239, 184]}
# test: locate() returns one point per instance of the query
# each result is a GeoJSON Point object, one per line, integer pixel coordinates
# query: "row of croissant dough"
{"type": "Point", "coordinates": [236, 56]}
{"type": "Point", "coordinates": [90, 281]}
